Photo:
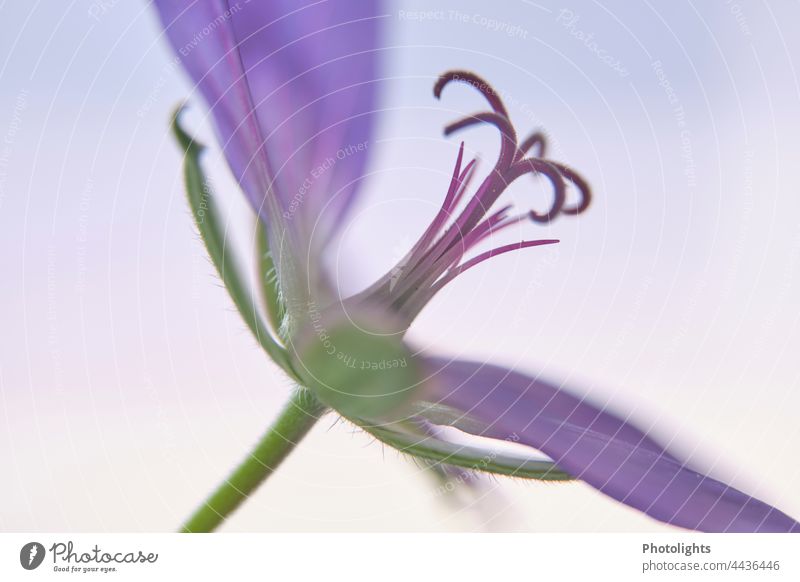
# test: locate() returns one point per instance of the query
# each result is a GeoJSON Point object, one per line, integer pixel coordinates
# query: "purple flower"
{"type": "Point", "coordinates": [292, 91]}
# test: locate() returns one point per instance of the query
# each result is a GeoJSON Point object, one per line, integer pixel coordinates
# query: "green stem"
{"type": "Point", "coordinates": [293, 423]}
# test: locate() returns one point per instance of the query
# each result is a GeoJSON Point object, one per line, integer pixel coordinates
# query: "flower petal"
{"type": "Point", "coordinates": [292, 90]}
{"type": "Point", "coordinates": [599, 448]}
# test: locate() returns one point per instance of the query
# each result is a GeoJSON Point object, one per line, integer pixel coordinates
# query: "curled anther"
{"type": "Point", "coordinates": [551, 172]}
{"type": "Point", "coordinates": [581, 184]}
{"type": "Point", "coordinates": [537, 138]}
{"type": "Point", "coordinates": [508, 145]}
{"type": "Point", "coordinates": [472, 79]}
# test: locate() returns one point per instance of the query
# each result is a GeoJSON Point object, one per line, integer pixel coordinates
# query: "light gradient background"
{"type": "Point", "coordinates": [129, 386]}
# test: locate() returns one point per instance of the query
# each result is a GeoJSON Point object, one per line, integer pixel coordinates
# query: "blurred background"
{"type": "Point", "coordinates": [129, 387]}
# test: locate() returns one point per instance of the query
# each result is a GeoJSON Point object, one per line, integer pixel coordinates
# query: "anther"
{"type": "Point", "coordinates": [471, 79]}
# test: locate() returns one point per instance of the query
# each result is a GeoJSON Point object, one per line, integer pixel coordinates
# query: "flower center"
{"type": "Point", "coordinates": [357, 363]}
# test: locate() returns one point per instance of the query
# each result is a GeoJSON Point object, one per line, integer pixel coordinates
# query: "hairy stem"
{"type": "Point", "coordinates": [295, 420]}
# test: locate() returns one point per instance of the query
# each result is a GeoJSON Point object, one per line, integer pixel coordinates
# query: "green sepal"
{"type": "Point", "coordinates": [207, 219]}
{"type": "Point", "coordinates": [268, 281]}
{"type": "Point", "coordinates": [433, 448]}
{"type": "Point", "coordinates": [356, 372]}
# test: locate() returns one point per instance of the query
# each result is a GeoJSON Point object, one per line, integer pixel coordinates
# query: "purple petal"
{"type": "Point", "coordinates": [599, 448]}
{"type": "Point", "coordinates": [291, 87]}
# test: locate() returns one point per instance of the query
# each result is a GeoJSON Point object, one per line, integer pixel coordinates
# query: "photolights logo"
{"type": "Point", "coordinates": [31, 555]}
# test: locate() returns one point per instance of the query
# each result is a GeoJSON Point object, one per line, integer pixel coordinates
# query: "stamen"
{"type": "Point", "coordinates": [472, 79]}
{"type": "Point", "coordinates": [484, 230]}
{"type": "Point", "coordinates": [465, 178]}
{"type": "Point", "coordinates": [492, 225]}
{"type": "Point", "coordinates": [583, 188]}
{"type": "Point", "coordinates": [451, 199]}
{"type": "Point", "coordinates": [435, 265]}
{"type": "Point", "coordinates": [535, 139]}
{"type": "Point", "coordinates": [455, 180]}
{"type": "Point", "coordinates": [498, 251]}
{"type": "Point", "coordinates": [551, 171]}
{"type": "Point", "coordinates": [411, 260]}
{"type": "Point", "coordinates": [477, 207]}
{"type": "Point", "coordinates": [433, 261]}
{"type": "Point", "coordinates": [491, 188]}
{"type": "Point", "coordinates": [458, 184]}
{"type": "Point", "coordinates": [415, 303]}
{"type": "Point", "coordinates": [508, 144]}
